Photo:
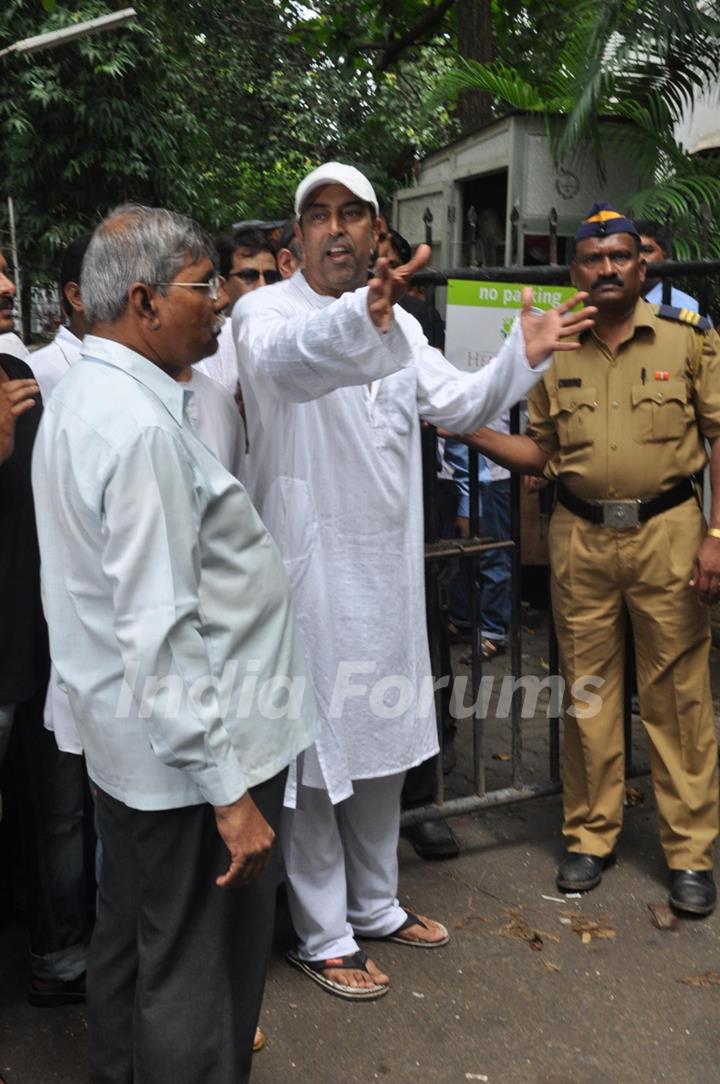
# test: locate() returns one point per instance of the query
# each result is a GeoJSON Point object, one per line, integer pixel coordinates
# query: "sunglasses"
{"type": "Point", "coordinates": [250, 275]}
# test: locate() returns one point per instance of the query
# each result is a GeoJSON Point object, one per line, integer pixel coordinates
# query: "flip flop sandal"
{"type": "Point", "coordinates": [356, 961]}
{"type": "Point", "coordinates": [413, 920]}
{"type": "Point", "coordinates": [489, 649]}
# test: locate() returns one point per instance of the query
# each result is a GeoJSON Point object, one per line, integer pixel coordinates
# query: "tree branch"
{"type": "Point", "coordinates": [429, 22]}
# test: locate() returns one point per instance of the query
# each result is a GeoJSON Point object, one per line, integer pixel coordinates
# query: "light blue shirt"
{"type": "Point", "coordinates": [168, 606]}
{"type": "Point", "coordinates": [678, 299]}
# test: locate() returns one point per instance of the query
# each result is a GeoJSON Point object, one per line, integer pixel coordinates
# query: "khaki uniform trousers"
{"type": "Point", "coordinates": [596, 572]}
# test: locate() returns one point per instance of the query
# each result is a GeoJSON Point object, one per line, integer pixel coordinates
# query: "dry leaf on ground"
{"type": "Point", "coordinates": [590, 928]}
{"type": "Point", "coordinates": [518, 929]}
{"type": "Point", "coordinates": [710, 978]}
{"type": "Point", "coordinates": [501, 756]}
{"type": "Point", "coordinates": [552, 968]}
{"type": "Point", "coordinates": [662, 916]}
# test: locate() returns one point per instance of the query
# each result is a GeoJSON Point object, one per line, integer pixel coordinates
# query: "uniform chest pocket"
{"type": "Point", "coordinates": [575, 413]}
{"type": "Point", "coordinates": [659, 411]}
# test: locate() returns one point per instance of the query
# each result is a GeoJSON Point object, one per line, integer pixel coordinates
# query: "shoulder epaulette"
{"type": "Point", "coordinates": [685, 316]}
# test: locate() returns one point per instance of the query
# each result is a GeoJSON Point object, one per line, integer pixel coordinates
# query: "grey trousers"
{"type": "Point", "coordinates": [177, 965]}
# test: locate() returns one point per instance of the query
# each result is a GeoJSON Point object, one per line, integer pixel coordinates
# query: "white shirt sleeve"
{"type": "Point", "coordinates": [300, 357]}
{"type": "Point", "coordinates": [462, 401]}
{"type": "Point", "coordinates": [150, 510]}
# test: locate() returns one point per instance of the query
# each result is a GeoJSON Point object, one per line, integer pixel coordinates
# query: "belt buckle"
{"type": "Point", "coordinates": [621, 515]}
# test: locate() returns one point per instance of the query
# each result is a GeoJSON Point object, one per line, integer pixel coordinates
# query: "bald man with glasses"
{"type": "Point", "coordinates": [162, 588]}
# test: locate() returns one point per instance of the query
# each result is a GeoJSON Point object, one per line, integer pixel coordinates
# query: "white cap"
{"type": "Point", "coordinates": [336, 173]}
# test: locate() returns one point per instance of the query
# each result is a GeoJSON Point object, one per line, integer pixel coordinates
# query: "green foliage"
{"type": "Point", "coordinates": [217, 108]}
{"type": "Point", "coordinates": [370, 35]}
{"type": "Point", "coordinates": [90, 124]}
{"type": "Point", "coordinates": [214, 109]}
{"type": "Point", "coordinates": [640, 63]}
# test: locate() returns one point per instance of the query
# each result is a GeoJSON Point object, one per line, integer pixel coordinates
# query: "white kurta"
{"type": "Point", "coordinates": [49, 366]}
{"type": "Point", "coordinates": [12, 344]}
{"type": "Point", "coordinates": [50, 363]}
{"type": "Point", "coordinates": [336, 476]}
{"type": "Point", "coordinates": [214, 416]}
{"type": "Point", "coordinates": [222, 365]}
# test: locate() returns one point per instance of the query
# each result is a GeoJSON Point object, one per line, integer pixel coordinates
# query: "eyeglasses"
{"type": "Point", "coordinates": [250, 275]}
{"type": "Point", "coordinates": [212, 285]}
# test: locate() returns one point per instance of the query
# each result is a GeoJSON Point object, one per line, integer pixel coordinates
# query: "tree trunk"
{"type": "Point", "coordinates": [475, 43]}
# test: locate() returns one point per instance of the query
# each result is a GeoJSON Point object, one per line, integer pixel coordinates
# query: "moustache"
{"type": "Point", "coordinates": [608, 280]}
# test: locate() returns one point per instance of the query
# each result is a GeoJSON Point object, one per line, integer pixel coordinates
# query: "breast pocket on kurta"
{"type": "Point", "coordinates": [575, 414]}
{"type": "Point", "coordinates": [659, 411]}
{"type": "Point", "coordinates": [393, 412]}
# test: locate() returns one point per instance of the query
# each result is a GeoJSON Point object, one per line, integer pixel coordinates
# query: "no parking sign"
{"type": "Point", "coordinates": [480, 314]}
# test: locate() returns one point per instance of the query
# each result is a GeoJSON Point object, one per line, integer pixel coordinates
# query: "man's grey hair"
{"type": "Point", "coordinates": [137, 244]}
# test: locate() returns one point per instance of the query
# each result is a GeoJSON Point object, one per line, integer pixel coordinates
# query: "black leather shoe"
{"type": "Point", "coordinates": [580, 872]}
{"type": "Point", "coordinates": [48, 993]}
{"type": "Point", "coordinates": [433, 839]}
{"type": "Point", "coordinates": [692, 891]}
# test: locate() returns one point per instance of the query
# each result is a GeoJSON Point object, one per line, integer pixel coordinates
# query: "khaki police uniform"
{"type": "Point", "coordinates": [628, 426]}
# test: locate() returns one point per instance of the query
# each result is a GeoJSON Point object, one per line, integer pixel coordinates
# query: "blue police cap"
{"type": "Point", "coordinates": [603, 220]}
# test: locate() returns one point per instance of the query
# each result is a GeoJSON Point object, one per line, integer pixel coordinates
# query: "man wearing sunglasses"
{"type": "Point", "coordinates": [251, 264]}
{"type": "Point", "coordinates": [246, 261]}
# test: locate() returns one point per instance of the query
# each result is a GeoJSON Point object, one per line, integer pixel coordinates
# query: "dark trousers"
{"type": "Point", "coordinates": [177, 965]}
{"type": "Point", "coordinates": [45, 805]}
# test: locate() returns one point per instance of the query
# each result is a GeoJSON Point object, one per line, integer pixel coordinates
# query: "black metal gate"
{"type": "Point", "coordinates": [439, 552]}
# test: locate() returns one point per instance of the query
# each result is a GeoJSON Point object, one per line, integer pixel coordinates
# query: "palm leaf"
{"type": "Point", "coordinates": [503, 82]}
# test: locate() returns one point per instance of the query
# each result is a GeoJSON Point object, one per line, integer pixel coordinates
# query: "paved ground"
{"type": "Point", "coordinates": [609, 1008]}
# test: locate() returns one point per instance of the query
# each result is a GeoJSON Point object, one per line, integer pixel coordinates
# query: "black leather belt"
{"type": "Point", "coordinates": [623, 515]}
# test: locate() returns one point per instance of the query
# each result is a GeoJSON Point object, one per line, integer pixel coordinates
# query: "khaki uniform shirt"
{"type": "Point", "coordinates": [614, 426]}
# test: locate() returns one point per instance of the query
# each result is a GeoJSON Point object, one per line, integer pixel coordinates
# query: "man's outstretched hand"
{"type": "Point", "coordinates": [548, 331]}
{"type": "Point", "coordinates": [248, 837]}
{"type": "Point", "coordinates": [389, 284]}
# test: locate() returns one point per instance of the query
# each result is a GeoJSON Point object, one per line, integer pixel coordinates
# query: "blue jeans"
{"type": "Point", "coordinates": [496, 565]}
{"type": "Point", "coordinates": [495, 568]}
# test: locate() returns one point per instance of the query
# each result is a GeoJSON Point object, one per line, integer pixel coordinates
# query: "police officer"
{"type": "Point", "coordinates": [622, 424]}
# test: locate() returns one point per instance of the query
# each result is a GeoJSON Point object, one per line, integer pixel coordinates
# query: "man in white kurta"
{"type": "Point", "coordinates": [50, 363]}
{"type": "Point", "coordinates": [336, 379]}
